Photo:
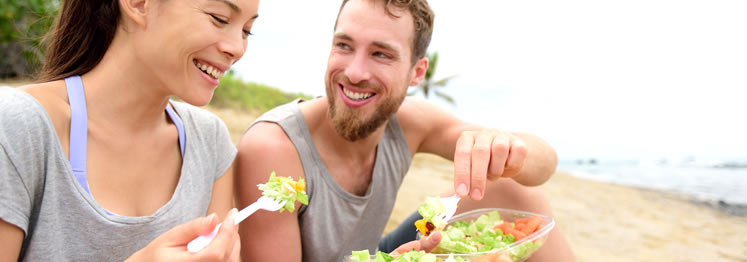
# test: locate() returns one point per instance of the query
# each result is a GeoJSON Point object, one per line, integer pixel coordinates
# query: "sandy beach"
{"type": "Point", "coordinates": [603, 222]}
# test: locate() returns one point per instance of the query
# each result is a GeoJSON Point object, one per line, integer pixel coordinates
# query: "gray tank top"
{"type": "Point", "coordinates": [337, 222]}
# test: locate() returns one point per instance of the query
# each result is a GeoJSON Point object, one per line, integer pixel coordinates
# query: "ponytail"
{"type": "Point", "coordinates": [81, 34]}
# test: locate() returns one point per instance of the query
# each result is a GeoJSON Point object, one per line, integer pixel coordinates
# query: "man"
{"type": "Point", "coordinates": [354, 146]}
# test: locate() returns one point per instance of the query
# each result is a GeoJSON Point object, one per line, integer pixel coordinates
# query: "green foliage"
{"type": "Point", "coordinates": [234, 92]}
{"type": "Point", "coordinates": [22, 25]}
{"type": "Point", "coordinates": [429, 85]}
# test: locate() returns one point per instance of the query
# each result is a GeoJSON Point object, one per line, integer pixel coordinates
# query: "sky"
{"type": "Point", "coordinates": [634, 79]}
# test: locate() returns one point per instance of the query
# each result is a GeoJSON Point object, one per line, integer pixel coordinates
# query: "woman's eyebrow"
{"type": "Point", "coordinates": [230, 4]}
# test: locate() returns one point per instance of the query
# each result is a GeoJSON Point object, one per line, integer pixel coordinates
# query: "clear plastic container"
{"type": "Point", "coordinates": [515, 252]}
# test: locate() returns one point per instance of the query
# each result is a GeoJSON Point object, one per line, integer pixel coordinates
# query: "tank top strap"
{"type": "Point", "coordinates": [179, 126]}
{"type": "Point", "coordinates": [78, 129]}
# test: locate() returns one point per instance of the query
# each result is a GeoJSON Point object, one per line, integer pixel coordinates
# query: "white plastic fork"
{"type": "Point", "coordinates": [263, 202]}
{"type": "Point", "coordinates": [450, 203]}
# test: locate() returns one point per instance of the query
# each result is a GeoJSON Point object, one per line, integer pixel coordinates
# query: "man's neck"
{"type": "Point", "coordinates": [324, 132]}
{"type": "Point", "coordinates": [350, 163]}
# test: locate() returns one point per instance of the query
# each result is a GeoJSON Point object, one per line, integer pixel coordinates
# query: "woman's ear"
{"type": "Point", "coordinates": [135, 10]}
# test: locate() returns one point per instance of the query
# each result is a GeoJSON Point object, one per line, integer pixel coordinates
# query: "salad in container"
{"type": "Point", "coordinates": [491, 231]}
{"type": "Point", "coordinates": [481, 235]}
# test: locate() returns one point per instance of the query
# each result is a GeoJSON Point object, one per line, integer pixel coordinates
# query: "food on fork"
{"type": "Point", "coordinates": [431, 211]}
{"type": "Point", "coordinates": [285, 189]}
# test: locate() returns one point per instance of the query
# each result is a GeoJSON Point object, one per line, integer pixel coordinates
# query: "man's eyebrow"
{"type": "Point", "coordinates": [386, 46]}
{"type": "Point", "coordinates": [343, 36]}
{"type": "Point", "coordinates": [379, 44]}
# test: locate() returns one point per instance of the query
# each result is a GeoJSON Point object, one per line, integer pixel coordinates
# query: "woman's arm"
{"type": "Point", "coordinates": [221, 200]}
{"type": "Point", "coordinates": [11, 239]}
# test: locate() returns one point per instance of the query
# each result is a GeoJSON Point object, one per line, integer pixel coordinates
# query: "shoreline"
{"type": "Point", "coordinates": [731, 209]}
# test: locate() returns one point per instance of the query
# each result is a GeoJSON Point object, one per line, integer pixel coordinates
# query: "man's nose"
{"type": "Point", "coordinates": [357, 71]}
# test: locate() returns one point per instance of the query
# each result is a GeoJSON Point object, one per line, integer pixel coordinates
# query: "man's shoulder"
{"type": "Point", "coordinates": [416, 113]}
{"type": "Point", "coordinates": [267, 140]}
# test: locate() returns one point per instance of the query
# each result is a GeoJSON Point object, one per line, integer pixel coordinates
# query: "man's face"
{"type": "Point", "coordinates": [369, 67]}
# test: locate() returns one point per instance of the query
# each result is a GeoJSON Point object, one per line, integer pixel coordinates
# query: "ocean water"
{"type": "Point", "coordinates": [727, 185]}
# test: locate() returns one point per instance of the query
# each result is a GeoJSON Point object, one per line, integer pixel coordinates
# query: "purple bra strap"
{"type": "Point", "coordinates": [78, 129]}
{"type": "Point", "coordinates": [179, 126]}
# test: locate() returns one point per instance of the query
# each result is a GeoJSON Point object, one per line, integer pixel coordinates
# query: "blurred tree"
{"type": "Point", "coordinates": [23, 23]}
{"type": "Point", "coordinates": [428, 85]}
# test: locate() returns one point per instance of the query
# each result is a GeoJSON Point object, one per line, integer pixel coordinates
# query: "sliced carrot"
{"type": "Point", "coordinates": [532, 225]}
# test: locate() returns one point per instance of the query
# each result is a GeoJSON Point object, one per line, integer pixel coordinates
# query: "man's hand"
{"type": "Point", "coordinates": [484, 155]}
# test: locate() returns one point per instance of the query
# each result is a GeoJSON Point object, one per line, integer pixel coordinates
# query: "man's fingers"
{"type": "Point", "coordinates": [499, 153]}
{"type": "Point", "coordinates": [516, 158]}
{"type": "Point", "coordinates": [463, 163]}
{"type": "Point", "coordinates": [480, 161]}
{"type": "Point", "coordinates": [426, 244]}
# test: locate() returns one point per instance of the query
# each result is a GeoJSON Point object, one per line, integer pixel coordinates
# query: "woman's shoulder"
{"type": "Point", "coordinates": [16, 105]}
{"type": "Point", "coordinates": [193, 114]}
{"type": "Point", "coordinates": [25, 121]}
{"type": "Point", "coordinates": [202, 121]}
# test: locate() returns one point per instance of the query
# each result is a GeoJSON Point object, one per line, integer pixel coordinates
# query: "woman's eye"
{"type": "Point", "coordinates": [219, 20]}
{"type": "Point", "coordinates": [247, 33]}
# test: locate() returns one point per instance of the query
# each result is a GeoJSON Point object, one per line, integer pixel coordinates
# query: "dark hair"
{"type": "Point", "coordinates": [80, 36]}
{"type": "Point", "coordinates": [423, 18]}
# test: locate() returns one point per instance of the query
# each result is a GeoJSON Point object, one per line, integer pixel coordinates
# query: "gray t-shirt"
{"type": "Point", "coordinates": [337, 222]}
{"type": "Point", "coordinates": [62, 222]}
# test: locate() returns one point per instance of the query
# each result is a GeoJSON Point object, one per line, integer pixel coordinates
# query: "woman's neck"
{"type": "Point", "coordinates": [122, 92]}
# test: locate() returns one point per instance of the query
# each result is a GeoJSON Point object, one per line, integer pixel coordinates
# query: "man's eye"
{"type": "Point", "coordinates": [380, 55]}
{"type": "Point", "coordinates": [219, 20]}
{"type": "Point", "coordinates": [343, 46]}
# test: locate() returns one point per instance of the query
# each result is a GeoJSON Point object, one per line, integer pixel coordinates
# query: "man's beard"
{"type": "Point", "coordinates": [348, 122]}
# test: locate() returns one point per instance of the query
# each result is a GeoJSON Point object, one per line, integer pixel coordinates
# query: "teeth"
{"type": "Point", "coordinates": [355, 95]}
{"type": "Point", "coordinates": [214, 72]}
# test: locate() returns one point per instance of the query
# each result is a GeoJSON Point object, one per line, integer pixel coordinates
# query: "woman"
{"type": "Point", "coordinates": [96, 163]}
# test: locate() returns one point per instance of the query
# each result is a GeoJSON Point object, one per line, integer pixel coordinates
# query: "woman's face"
{"type": "Point", "coordinates": [188, 45]}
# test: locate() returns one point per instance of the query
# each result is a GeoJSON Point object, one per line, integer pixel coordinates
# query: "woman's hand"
{"type": "Point", "coordinates": [423, 244]}
{"type": "Point", "coordinates": [172, 245]}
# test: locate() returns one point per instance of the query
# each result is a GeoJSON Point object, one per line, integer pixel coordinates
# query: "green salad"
{"type": "Point", "coordinates": [483, 234]}
{"type": "Point", "coordinates": [285, 189]}
{"type": "Point", "coordinates": [410, 256]}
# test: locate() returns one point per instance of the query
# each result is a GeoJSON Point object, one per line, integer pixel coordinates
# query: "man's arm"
{"type": "Point", "coordinates": [267, 236]}
{"type": "Point", "coordinates": [478, 152]}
